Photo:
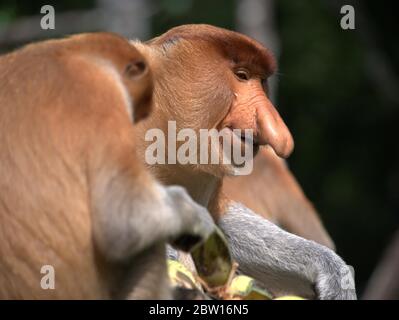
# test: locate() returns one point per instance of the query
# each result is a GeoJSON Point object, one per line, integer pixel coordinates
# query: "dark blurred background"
{"type": "Point", "coordinates": [338, 91]}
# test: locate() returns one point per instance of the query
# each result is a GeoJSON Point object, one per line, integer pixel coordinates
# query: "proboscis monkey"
{"type": "Point", "coordinates": [73, 194]}
{"type": "Point", "coordinates": [207, 77]}
{"type": "Point", "coordinates": [272, 191]}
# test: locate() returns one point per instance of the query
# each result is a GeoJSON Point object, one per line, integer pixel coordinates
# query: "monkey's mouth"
{"type": "Point", "coordinates": [247, 141]}
{"type": "Point", "coordinates": [243, 143]}
{"type": "Point", "coordinates": [250, 141]}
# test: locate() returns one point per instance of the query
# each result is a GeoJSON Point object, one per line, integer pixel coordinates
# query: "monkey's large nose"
{"type": "Point", "coordinates": [272, 129]}
{"type": "Point", "coordinates": [251, 109]}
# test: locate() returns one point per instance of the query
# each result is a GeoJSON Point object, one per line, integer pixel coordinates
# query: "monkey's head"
{"type": "Point", "coordinates": [130, 64]}
{"type": "Point", "coordinates": [137, 78]}
{"type": "Point", "coordinates": [207, 77]}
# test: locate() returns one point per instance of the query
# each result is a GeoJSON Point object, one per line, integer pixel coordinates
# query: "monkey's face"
{"type": "Point", "coordinates": [211, 78]}
{"type": "Point", "coordinates": [248, 118]}
{"type": "Point", "coordinates": [252, 109]}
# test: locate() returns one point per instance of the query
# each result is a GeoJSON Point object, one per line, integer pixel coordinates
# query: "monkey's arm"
{"type": "Point", "coordinates": [284, 262]}
{"type": "Point", "coordinates": [132, 212]}
{"type": "Point", "coordinates": [135, 216]}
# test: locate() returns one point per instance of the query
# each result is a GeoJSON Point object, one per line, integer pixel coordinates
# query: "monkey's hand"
{"type": "Point", "coordinates": [141, 212]}
{"type": "Point", "coordinates": [195, 223]}
{"type": "Point", "coordinates": [285, 263]}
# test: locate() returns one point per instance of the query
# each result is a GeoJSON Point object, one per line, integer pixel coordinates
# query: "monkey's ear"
{"type": "Point", "coordinates": [135, 69]}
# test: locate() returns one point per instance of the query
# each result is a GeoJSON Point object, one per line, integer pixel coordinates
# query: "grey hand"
{"type": "Point", "coordinates": [196, 223]}
{"type": "Point", "coordinates": [283, 262]}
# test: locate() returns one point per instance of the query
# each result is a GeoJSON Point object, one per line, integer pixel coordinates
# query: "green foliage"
{"type": "Point", "coordinates": [346, 155]}
{"type": "Point", "coordinates": [7, 15]}
{"type": "Point", "coordinates": [176, 12]}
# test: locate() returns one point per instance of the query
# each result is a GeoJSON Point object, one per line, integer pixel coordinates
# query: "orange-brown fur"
{"type": "Point", "coordinates": [62, 120]}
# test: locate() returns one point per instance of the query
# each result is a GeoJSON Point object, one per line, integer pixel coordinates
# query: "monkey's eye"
{"type": "Point", "coordinates": [242, 74]}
